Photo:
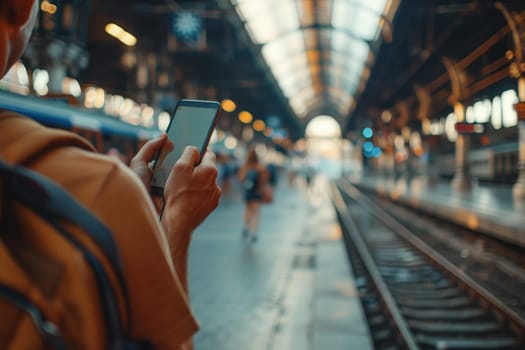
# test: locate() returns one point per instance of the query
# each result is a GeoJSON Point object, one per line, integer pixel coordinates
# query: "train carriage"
{"type": "Point", "coordinates": [104, 132]}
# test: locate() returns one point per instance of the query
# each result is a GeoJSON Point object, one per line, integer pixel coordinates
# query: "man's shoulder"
{"type": "Point", "coordinates": [62, 156]}
{"type": "Point", "coordinates": [87, 175]}
{"type": "Point", "coordinates": [23, 140]}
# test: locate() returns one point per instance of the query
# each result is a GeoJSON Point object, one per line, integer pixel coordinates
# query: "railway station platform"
{"type": "Point", "coordinates": [485, 208]}
{"type": "Point", "coordinates": [292, 289]}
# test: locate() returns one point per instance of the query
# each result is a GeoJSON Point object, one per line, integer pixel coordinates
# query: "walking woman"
{"type": "Point", "coordinates": [253, 176]}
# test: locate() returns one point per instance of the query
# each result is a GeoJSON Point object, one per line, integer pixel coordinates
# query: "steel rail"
{"type": "Point", "coordinates": [514, 319]}
{"type": "Point", "coordinates": [368, 261]}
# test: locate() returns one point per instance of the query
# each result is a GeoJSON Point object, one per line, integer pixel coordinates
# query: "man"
{"type": "Point", "coordinates": [153, 253]}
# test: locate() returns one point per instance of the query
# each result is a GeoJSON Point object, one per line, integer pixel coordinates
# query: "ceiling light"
{"type": "Point", "coordinates": [259, 125]}
{"type": "Point", "coordinates": [245, 117]}
{"type": "Point", "coordinates": [48, 7]}
{"type": "Point", "coordinates": [122, 35]}
{"type": "Point", "coordinates": [228, 105]}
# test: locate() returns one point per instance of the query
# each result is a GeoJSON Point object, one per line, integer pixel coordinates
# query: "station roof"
{"type": "Point", "coordinates": [295, 59]}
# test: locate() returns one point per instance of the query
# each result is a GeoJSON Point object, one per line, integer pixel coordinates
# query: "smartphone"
{"type": "Point", "coordinates": [192, 124]}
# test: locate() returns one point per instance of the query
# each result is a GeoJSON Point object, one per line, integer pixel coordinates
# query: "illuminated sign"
{"type": "Point", "coordinates": [520, 108]}
{"type": "Point", "coordinates": [469, 128]}
{"type": "Point", "coordinates": [187, 25]}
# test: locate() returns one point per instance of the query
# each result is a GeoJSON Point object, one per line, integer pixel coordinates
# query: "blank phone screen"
{"type": "Point", "coordinates": [190, 126]}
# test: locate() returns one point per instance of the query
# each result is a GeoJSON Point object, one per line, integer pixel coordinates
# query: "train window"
{"type": "Point", "coordinates": [510, 116]}
{"type": "Point", "coordinates": [496, 113]}
{"type": "Point", "coordinates": [16, 79]}
{"type": "Point", "coordinates": [469, 115]}
{"type": "Point", "coordinates": [450, 127]}
{"type": "Point", "coordinates": [482, 111]}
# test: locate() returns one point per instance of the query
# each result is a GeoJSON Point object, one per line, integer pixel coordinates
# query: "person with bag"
{"type": "Point", "coordinates": [46, 264]}
{"type": "Point", "coordinates": [254, 179]}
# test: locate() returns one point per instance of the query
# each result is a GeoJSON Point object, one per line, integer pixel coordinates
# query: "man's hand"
{"type": "Point", "coordinates": [190, 194]}
{"type": "Point", "coordinates": [140, 164]}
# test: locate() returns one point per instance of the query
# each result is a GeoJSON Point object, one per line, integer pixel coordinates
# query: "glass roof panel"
{"type": "Point", "coordinates": [324, 12]}
{"type": "Point", "coordinates": [305, 94]}
{"type": "Point", "coordinates": [279, 50]}
{"type": "Point", "coordinates": [376, 6]}
{"type": "Point", "coordinates": [310, 39]}
{"type": "Point", "coordinates": [360, 18]}
{"type": "Point", "coordinates": [324, 38]}
{"type": "Point", "coordinates": [338, 93]}
{"type": "Point", "coordinates": [293, 83]}
{"type": "Point", "coordinates": [289, 68]}
{"type": "Point", "coordinates": [338, 61]}
{"type": "Point", "coordinates": [289, 73]}
{"type": "Point", "coordinates": [365, 24]}
{"type": "Point", "coordinates": [266, 20]}
{"type": "Point", "coordinates": [263, 29]}
{"type": "Point", "coordinates": [306, 11]}
{"type": "Point", "coordinates": [248, 9]}
{"type": "Point", "coordinates": [344, 43]}
{"type": "Point", "coordinates": [308, 104]}
{"type": "Point", "coordinates": [318, 51]}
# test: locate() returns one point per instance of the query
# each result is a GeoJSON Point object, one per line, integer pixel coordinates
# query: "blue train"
{"type": "Point", "coordinates": [104, 132]}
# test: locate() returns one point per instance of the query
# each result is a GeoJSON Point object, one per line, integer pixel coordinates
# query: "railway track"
{"type": "Point", "coordinates": [414, 297]}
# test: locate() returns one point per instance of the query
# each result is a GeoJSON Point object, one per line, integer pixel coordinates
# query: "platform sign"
{"type": "Point", "coordinates": [469, 128]}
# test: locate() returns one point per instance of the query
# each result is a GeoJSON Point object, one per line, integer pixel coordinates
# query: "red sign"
{"type": "Point", "coordinates": [520, 108]}
{"type": "Point", "coordinates": [469, 128]}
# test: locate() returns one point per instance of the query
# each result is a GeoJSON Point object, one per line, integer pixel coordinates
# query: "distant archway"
{"type": "Point", "coordinates": [323, 126]}
{"type": "Point", "coordinates": [323, 145]}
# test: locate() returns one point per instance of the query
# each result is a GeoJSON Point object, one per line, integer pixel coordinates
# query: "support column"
{"type": "Point", "coordinates": [518, 191]}
{"type": "Point", "coordinates": [430, 173]}
{"type": "Point", "coordinates": [462, 181]}
{"type": "Point", "coordinates": [59, 42]}
{"type": "Point", "coordinates": [57, 73]}
{"type": "Point", "coordinates": [517, 70]}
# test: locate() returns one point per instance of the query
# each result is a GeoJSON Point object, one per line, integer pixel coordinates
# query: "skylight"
{"type": "Point", "coordinates": [318, 51]}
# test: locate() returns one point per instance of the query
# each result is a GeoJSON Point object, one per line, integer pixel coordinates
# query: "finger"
{"type": "Point", "coordinates": [150, 148]}
{"type": "Point", "coordinates": [190, 156]}
{"type": "Point", "coordinates": [209, 158]}
{"type": "Point", "coordinates": [207, 169]}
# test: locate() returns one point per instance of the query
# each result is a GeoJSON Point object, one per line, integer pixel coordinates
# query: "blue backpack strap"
{"type": "Point", "coordinates": [49, 332]}
{"type": "Point", "coordinates": [55, 205]}
{"type": "Point", "coordinates": [49, 200]}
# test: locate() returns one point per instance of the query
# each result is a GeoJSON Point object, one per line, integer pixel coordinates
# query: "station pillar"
{"type": "Point", "coordinates": [462, 181]}
{"type": "Point", "coordinates": [430, 171]}
{"type": "Point", "coordinates": [59, 43]}
{"type": "Point", "coordinates": [518, 191]}
{"type": "Point", "coordinates": [57, 73]}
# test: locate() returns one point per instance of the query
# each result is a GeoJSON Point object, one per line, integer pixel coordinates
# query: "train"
{"type": "Point", "coordinates": [107, 134]}
{"type": "Point", "coordinates": [495, 164]}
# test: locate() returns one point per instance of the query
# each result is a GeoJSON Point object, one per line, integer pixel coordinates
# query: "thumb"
{"type": "Point", "coordinates": [150, 148]}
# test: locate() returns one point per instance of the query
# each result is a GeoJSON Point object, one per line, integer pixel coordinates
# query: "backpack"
{"type": "Point", "coordinates": [61, 282]}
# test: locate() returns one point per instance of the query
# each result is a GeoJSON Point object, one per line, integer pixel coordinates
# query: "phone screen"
{"type": "Point", "coordinates": [192, 124]}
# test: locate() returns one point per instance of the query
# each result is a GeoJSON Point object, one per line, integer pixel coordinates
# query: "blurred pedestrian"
{"type": "Point", "coordinates": [254, 177]}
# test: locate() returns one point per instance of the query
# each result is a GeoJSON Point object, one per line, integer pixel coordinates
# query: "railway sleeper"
{"type": "Point", "coordinates": [432, 294]}
{"type": "Point", "coordinates": [465, 314]}
{"type": "Point", "coordinates": [436, 303]}
{"type": "Point", "coordinates": [407, 276]}
{"type": "Point", "coordinates": [478, 326]}
{"type": "Point", "coordinates": [500, 343]}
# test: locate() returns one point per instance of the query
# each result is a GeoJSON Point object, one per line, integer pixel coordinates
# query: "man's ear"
{"type": "Point", "coordinates": [19, 11]}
